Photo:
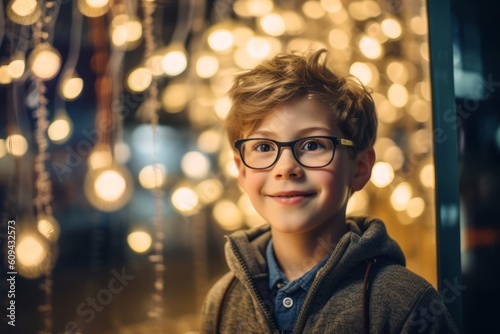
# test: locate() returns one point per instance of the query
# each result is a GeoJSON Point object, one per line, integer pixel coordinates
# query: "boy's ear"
{"type": "Point", "coordinates": [363, 169]}
{"type": "Point", "coordinates": [241, 168]}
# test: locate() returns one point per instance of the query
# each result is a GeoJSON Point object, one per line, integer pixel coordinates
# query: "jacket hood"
{"type": "Point", "coordinates": [366, 238]}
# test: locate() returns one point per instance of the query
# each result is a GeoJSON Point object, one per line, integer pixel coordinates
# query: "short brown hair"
{"type": "Point", "coordinates": [286, 77]}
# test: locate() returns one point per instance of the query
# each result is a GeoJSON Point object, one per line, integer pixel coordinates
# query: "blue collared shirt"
{"type": "Point", "coordinates": [288, 297]}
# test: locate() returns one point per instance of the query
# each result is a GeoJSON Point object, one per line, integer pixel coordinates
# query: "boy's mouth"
{"type": "Point", "coordinates": [290, 194]}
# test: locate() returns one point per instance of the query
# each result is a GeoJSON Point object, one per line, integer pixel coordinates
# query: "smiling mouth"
{"type": "Point", "coordinates": [291, 195]}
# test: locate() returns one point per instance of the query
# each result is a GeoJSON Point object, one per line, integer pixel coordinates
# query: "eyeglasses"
{"type": "Point", "coordinates": [311, 152]}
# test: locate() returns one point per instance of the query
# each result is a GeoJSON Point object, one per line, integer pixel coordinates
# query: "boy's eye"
{"type": "Point", "coordinates": [263, 146]}
{"type": "Point", "coordinates": [312, 145]}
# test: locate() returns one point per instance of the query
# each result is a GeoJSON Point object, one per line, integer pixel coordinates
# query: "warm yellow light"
{"type": "Point", "coordinates": [362, 10]}
{"type": "Point", "coordinates": [210, 141]}
{"type": "Point", "coordinates": [16, 145]}
{"type": "Point", "coordinates": [174, 62]}
{"type": "Point", "coordinates": [420, 110]}
{"type": "Point", "coordinates": [338, 39]}
{"type": "Point", "coordinates": [3, 148]}
{"type": "Point", "coordinates": [207, 66]}
{"type": "Point", "coordinates": [119, 35]}
{"type": "Point", "coordinates": [258, 47]}
{"type": "Point", "coordinates": [185, 200]}
{"type": "Point", "coordinates": [273, 24]}
{"type": "Point", "coordinates": [175, 97]}
{"type": "Point", "coordinates": [209, 190]}
{"type": "Point", "coordinates": [4, 75]}
{"type": "Point", "coordinates": [154, 65]}
{"type": "Point", "coordinates": [424, 51]}
{"type": "Point", "coordinates": [222, 107]}
{"type": "Point", "coordinates": [24, 7]}
{"type": "Point", "coordinates": [387, 112]}
{"type": "Point", "coordinates": [247, 8]}
{"type": "Point", "coordinates": [382, 174]}
{"type": "Point", "coordinates": [220, 40]}
{"type": "Point", "coordinates": [16, 68]}
{"type": "Point", "coordinates": [134, 30]}
{"type": "Point", "coordinates": [370, 47]}
{"type": "Point", "coordinates": [122, 152]}
{"type": "Point", "coordinates": [241, 35]}
{"type": "Point", "coordinates": [418, 25]}
{"type": "Point", "coordinates": [374, 30]}
{"type": "Point", "coordinates": [398, 72]}
{"type": "Point", "coordinates": [358, 202]}
{"type": "Point", "coordinates": [294, 23]}
{"type": "Point", "coordinates": [400, 197]}
{"type": "Point", "coordinates": [30, 252]}
{"type": "Point", "coordinates": [361, 71]}
{"type": "Point", "coordinates": [49, 228]}
{"type": "Point", "coordinates": [394, 155]}
{"type": "Point", "coordinates": [109, 185]}
{"type": "Point", "coordinates": [427, 176]}
{"type": "Point", "coordinates": [195, 165]}
{"type": "Point", "coordinates": [416, 207]}
{"type": "Point", "coordinates": [139, 79]}
{"type": "Point", "coordinates": [313, 9]}
{"type": "Point", "coordinates": [60, 129]}
{"type": "Point", "coordinates": [331, 6]}
{"type": "Point", "coordinates": [152, 176]}
{"type": "Point", "coordinates": [228, 216]}
{"type": "Point", "coordinates": [99, 158]}
{"type": "Point", "coordinates": [398, 95]}
{"type": "Point", "coordinates": [71, 87]}
{"type": "Point", "coordinates": [45, 61]}
{"type": "Point", "coordinates": [391, 28]}
{"type": "Point", "coordinates": [97, 3]}
{"type": "Point", "coordinates": [423, 88]}
{"type": "Point", "coordinates": [139, 241]}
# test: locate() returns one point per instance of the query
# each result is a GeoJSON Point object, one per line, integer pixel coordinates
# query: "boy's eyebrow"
{"type": "Point", "coordinates": [301, 133]}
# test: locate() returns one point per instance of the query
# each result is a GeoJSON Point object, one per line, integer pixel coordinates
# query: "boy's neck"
{"type": "Point", "coordinates": [296, 254]}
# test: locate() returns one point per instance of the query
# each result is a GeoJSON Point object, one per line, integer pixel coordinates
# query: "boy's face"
{"type": "Point", "coordinates": [297, 199]}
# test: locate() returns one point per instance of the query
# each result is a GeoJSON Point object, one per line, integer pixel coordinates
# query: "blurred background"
{"type": "Point", "coordinates": [116, 170]}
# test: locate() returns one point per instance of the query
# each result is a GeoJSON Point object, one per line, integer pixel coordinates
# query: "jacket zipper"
{"type": "Point", "coordinates": [312, 291]}
{"type": "Point", "coordinates": [270, 320]}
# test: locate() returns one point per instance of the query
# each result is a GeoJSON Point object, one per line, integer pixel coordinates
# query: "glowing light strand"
{"type": "Point", "coordinates": [43, 185]}
{"type": "Point", "coordinates": [152, 104]}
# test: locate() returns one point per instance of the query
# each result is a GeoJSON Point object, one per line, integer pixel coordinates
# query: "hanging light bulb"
{"type": "Point", "coordinates": [71, 87]}
{"type": "Point", "coordinates": [24, 12]}
{"type": "Point", "coordinates": [94, 8]}
{"type": "Point", "coordinates": [139, 241]}
{"type": "Point", "coordinates": [61, 127]}
{"type": "Point", "coordinates": [16, 145]}
{"type": "Point", "coordinates": [108, 188]}
{"type": "Point", "coordinates": [48, 226]}
{"type": "Point", "coordinates": [45, 61]}
{"type": "Point", "coordinates": [16, 67]}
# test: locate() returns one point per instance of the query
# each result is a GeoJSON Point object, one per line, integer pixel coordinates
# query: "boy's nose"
{"type": "Point", "coordinates": [287, 167]}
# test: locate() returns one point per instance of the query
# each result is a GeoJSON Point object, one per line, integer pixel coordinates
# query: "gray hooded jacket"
{"type": "Point", "coordinates": [397, 300]}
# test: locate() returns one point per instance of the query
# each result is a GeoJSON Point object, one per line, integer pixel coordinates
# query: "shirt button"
{"type": "Point", "coordinates": [287, 302]}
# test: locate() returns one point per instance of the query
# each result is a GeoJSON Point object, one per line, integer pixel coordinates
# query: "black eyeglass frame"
{"type": "Point", "coordinates": [335, 140]}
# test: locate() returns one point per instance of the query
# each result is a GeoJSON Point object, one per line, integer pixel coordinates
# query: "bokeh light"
{"type": "Point", "coordinates": [401, 195]}
{"type": "Point", "coordinates": [227, 215]}
{"type": "Point", "coordinates": [16, 145]}
{"type": "Point", "coordinates": [45, 61]}
{"type": "Point", "coordinates": [382, 174]}
{"type": "Point", "coordinates": [152, 176]}
{"type": "Point", "coordinates": [60, 129]}
{"type": "Point", "coordinates": [185, 200]}
{"type": "Point", "coordinates": [195, 165]}
{"type": "Point", "coordinates": [139, 241]}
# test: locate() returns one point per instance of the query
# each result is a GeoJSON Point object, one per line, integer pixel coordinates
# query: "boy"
{"type": "Point", "coordinates": [303, 140]}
